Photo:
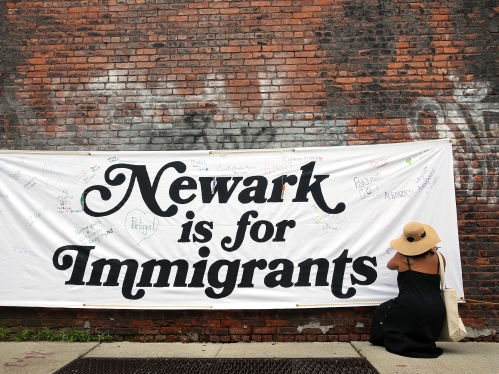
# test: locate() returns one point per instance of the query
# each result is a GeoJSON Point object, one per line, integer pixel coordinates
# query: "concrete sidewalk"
{"type": "Point", "coordinates": [47, 357]}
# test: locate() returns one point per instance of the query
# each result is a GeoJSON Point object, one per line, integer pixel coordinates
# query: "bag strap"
{"type": "Point", "coordinates": [442, 270]}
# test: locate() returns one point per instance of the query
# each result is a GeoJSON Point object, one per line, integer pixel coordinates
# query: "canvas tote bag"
{"type": "Point", "coordinates": [453, 329]}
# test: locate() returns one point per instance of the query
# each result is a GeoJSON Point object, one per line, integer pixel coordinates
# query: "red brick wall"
{"type": "Point", "coordinates": [190, 74]}
{"type": "Point", "coordinates": [341, 324]}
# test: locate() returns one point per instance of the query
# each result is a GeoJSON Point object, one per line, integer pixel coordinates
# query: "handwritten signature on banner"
{"type": "Point", "coordinates": [199, 165]}
{"type": "Point", "coordinates": [379, 163]}
{"type": "Point", "coordinates": [420, 156]}
{"type": "Point", "coordinates": [140, 225]}
{"type": "Point", "coordinates": [16, 175]}
{"type": "Point", "coordinates": [54, 171]}
{"type": "Point", "coordinates": [30, 184]}
{"type": "Point", "coordinates": [389, 250]}
{"type": "Point", "coordinates": [4, 164]}
{"type": "Point", "coordinates": [22, 250]}
{"type": "Point", "coordinates": [92, 233]}
{"type": "Point", "coordinates": [426, 179]}
{"type": "Point", "coordinates": [237, 169]}
{"type": "Point", "coordinates": [328, 222]}
{"type": "Point", "coordinates": [3, 196]}
{"type": "Point", "coordinates": [64, 201]}
{"type": "Point", "coordinates": [35, 217]}
{"type": "Point", "coordinates": [398, 194]}
{"type": "Point", "coordinates": [289, 163]}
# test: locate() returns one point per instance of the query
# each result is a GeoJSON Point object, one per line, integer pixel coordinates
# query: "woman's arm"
{"type": "Point", "coordinates": [393, 264]}
{"type": "Point", "coordinates": [445, 261]}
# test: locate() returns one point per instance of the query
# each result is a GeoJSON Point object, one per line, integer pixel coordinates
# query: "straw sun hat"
{"type": "Point", "coordinates": [416, 239]}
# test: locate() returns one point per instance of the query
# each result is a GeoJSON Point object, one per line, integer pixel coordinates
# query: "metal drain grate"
{"type": "Point", "coordinates": [218, 366]}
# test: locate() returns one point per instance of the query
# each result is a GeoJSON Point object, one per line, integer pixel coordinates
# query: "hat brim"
{"type": "Point", "coordinates": [403, 246]}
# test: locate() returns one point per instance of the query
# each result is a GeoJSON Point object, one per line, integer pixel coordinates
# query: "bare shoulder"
{"type": "Point", "coordinates": [443, 257]}
{"type": "Point", "coordinates": [397, 262]}
{"type": "Point", "coordinates": [427, 264]}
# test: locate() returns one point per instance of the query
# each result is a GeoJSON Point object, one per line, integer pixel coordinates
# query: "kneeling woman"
{"type": "Point", "coordinates": [410, 324]}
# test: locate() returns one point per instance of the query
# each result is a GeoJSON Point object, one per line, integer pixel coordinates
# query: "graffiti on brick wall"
{"type": "Point", "coordinates": [110, 105]}
{"type": "Point", "coordinates": [467, 117]}
{"type": "Point", "coordinates": [11, 119]}
{"type": "Point", "coordinates": [123, 106]}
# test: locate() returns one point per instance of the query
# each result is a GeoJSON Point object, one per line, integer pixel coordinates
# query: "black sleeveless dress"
{"type": "Point", "coordinates": [410, 324]}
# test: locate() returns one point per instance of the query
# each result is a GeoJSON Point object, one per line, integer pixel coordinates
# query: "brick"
{"type": "Point", "coordinates": [264, 330]}
{"type": "Point", "coordinates": [314, 81]}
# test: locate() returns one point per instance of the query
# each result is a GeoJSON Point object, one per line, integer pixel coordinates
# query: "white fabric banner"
{"type": "Point", "coordinates": [225, 230]}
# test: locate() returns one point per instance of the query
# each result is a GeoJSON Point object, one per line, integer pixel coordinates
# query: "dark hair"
{"type": "Point", "coordinates": [421, 255]}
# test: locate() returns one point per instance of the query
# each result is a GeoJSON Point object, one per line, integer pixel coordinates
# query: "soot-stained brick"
{"type": "Point", "coordinates": [481, 62]}
{"type": "Point", "coordinates": [188, 75]}
{"type": "Point", "coordinates": [12, 55]}
{"type": "Point", "coordinates": [359, 39]}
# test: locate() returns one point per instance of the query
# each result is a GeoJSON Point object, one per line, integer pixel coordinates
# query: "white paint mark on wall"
{"type": "Point", "coordinates": [464, 116]}
{"type": "Point", "coordinates": [314, 324]}
{"type": "Point", "coordinates": [476, 333]}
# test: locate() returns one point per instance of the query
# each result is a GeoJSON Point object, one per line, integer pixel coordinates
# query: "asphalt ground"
{"type": "Point", "coordinates": [47, 357]}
